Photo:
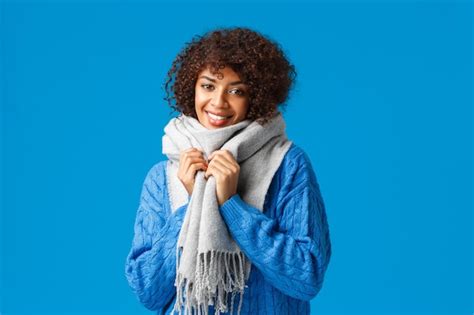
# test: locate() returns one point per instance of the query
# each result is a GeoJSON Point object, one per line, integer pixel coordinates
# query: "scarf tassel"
{"type": "Point", "coordinates": [217, 274]}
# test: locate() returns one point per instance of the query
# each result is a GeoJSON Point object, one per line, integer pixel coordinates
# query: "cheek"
{"type": "Point", "coordinates": [243, 110]}
{"type": "Point", "coordinates": [199, 100]}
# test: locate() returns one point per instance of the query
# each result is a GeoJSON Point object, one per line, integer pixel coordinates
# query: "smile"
{"type": "Point", "coordinates": [217, 117]}
{"type": "Point", "coordinates": [217, 120]}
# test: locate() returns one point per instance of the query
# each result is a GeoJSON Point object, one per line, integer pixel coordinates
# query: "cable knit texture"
{"type": "Point", "coordinates": [288, 243]}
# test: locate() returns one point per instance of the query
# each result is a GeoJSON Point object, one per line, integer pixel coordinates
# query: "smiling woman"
{"type": "Point", "coordinates": [248, 56]}
{"type": "Point", "coordinates": [220, 102]}
{"type": "Point", "coordinates": [236, 210]}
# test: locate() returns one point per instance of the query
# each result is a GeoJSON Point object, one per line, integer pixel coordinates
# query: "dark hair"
{"type": "Point", "coordinates": [259, 62]}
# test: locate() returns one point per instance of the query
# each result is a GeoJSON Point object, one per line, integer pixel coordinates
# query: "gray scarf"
{"type": "Point", "coordinates": [210, 264]}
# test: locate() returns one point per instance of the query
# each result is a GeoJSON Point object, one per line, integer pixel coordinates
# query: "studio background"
{"type": "Point", "coordinates": [382, 105]}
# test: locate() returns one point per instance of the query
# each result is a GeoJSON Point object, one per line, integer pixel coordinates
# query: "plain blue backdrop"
{"type": "Point", "coordinates": [382, 105]}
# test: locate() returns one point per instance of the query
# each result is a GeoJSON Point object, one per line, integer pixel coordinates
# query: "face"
{"type": "Point", "coordinates": [220, 102]}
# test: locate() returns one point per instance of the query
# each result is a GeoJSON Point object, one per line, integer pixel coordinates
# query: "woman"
{"type": "Point", "coordinates": [236, 208]}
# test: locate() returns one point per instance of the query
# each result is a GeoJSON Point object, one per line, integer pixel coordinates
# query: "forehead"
{"type": "Point", "coordinates": [227, 74]}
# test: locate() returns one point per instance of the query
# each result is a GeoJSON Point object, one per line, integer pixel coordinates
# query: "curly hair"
{"type": "Point", "coordinates": [258, 60]}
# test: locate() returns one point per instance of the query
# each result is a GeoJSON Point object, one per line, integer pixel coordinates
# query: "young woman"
{"type": "Point", "coordinates": [236, 207]}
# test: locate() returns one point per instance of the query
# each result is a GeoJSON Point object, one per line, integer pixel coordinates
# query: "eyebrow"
{"type": "Point", "coordinates": [212, 80]}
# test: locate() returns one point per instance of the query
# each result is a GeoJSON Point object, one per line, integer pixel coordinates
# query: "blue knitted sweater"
{"type": "Point", "coordinates": [288, 243]}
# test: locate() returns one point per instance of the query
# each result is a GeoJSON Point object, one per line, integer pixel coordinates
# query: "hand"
{"type": "Point", "coordinates": [226, 171]}
{"type": "Point", "coordinates": [190, 161]}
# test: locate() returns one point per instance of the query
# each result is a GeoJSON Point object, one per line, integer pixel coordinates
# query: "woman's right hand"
{"type": "Point", "coordinates": [190, 161]}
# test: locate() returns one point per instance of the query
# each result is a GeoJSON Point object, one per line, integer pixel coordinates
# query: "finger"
{"type": "Point", "coordinates": [195, 167]}
{"type": "Point", "coordinates": [192, 156]}
{"type": "Point", "coordinates": [226, 155]}
{"type": "Point", "coordinates": [186, 160]}
{"type": "Point", "coordinates": [208, 172]}
{"type": "Point", "coordinates": [192, 149]}
{"type": "Point", "coordinates": [213, 154]}
{"type": "Point", "coordinates": [224, 166]}
{"type": "Point", "coordinates": [219, 170]}
{"type": "Point", "coordinates": [183, 155]}
{"type": "Point", "coordinates": [191, 153]}
{"type": "Point", "coordinates": [192, 160]}
{"type": "Point", "coordinates": [211, 171]}
{"type": "Point", "coordinates": [230, 164]}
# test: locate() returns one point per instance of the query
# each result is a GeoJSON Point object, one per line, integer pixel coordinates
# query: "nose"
{"type": "Point", "coordinates": [219, 99]}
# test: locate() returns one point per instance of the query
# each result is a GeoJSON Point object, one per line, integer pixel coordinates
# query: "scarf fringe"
{"type": "Point", "coordinates": [218, 274]}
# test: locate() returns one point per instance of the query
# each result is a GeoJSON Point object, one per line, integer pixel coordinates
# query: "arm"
{"type": "Point", "coordinates": [150, 266]}
{"type": "Point", "coordinates": [294, 258]}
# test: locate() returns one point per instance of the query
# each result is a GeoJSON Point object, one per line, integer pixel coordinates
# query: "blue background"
{"type": "Point", "coordinates": [382, 105]}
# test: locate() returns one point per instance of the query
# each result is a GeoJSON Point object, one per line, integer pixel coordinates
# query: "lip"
{"type": "Point", "coordinates": [217, 123]}
{"type": "Point", "coordinates": [217, 114]}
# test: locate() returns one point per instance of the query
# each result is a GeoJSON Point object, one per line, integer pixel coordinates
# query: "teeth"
{"type": "Point", "coordinates": [216, 117]}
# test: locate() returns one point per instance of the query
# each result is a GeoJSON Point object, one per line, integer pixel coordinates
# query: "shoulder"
{"type": "Point", "coordinates": [296, 162]}
{"type": "Point", "coordinates": [156, 175]}
{"type": "Point", "coordinates": [154, 187]}
{"type": "Point", "coordinates": [296, 169]}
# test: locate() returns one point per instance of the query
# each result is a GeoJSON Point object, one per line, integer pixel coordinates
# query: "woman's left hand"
{"type": "Point", "coordinates": [225, 169]}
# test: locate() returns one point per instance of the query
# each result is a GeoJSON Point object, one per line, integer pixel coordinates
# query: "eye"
{"type": "Point", "coordinates": [206, 86]}
{"type": "Point", "coordinates": [238, 92]}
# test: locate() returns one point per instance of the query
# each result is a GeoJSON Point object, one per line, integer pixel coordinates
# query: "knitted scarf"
{"type": "Point", "coordinates": [210, 264]}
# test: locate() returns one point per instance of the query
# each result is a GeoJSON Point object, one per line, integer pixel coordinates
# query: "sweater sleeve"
{"type": "Point", "coordinates": [150, 266]}
{"type": "Point", "coordinates": [293, 251]}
